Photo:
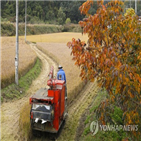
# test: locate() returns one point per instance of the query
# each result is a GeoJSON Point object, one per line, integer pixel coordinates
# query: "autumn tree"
{"type": "Point", "coordinates": [112, 55]}
{"type": "Point", "coordinates": [130, 11]}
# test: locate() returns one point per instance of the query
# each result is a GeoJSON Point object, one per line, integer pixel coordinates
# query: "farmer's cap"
{"type": "Point", "coordinates": [60, 67]}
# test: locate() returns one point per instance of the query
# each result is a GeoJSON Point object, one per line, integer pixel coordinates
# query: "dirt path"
{"type": "Point", "coordinates": [10, 111]}
{"type": "Point", "coordinates": [75, 111]}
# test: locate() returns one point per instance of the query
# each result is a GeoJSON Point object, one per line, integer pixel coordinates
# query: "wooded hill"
{"type": "Point", "coordinates": [52, 12]}
{"type": "Point", "coordinates": [43, 11]}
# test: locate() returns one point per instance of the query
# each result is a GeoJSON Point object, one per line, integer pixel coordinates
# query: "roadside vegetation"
{"type": "Point", "coordinates": [17, 91]}
{"type": "Point", "coordinates": [9, 29]}
{"type": "Point", "coordinates": [83, 132]}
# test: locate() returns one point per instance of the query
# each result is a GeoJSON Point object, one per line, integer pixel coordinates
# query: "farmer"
{"type": "Point", "coordinates": [61, 74]}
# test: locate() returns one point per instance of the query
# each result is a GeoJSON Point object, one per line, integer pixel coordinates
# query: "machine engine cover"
{"type": "Point", "coordinates": [42, 112]}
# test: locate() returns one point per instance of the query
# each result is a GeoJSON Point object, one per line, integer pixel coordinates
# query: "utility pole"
{"type": "Point", "coordinates": [136, 6]}
{"type": "Point", "coordinates": [17, 45]}
{"type": "Point", "coordinates": [25, 17]}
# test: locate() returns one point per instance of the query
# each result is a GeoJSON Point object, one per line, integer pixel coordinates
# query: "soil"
{"type": "Point", "coordinates": [10, 111]}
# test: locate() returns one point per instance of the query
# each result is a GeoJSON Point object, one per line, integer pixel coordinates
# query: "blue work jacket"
{"type": "Point", "coordinates": [61, 75]}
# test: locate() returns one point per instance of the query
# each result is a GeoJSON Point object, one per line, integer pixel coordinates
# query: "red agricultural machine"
{"type": "Point", "coordinates": [49, 106]}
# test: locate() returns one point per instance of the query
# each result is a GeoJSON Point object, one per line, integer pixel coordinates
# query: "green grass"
{"type": "Point", "coordinates": [105, 136]}
{"type": "Point", "coordinates": [91, 116]}
{"type": "Point", "coordinates": [86, 130]}
{"type": "Point", "coordinates": [16, 91]}
{"type": "Point", "coordinates": [101, 135]}
{"type": "Point", "coordinates": [87, 119]}
{"type": "Point", "coordinates": [8, 29]}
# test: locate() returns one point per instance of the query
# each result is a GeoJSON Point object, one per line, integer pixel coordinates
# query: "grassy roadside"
{"type": "Point", "coordinates": [83, 131]}
{"type": "Point", "coordinates": [13, 91]}
{"type": "Point", "coordinates": [9, 29]}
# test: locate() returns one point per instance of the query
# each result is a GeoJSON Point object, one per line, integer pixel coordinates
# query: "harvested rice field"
{"type": "Point", "coordinates": [62, 37]}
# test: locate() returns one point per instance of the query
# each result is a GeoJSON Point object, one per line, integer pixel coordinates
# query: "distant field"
{"type": "Point", "coordinates": [27, 59]}
{"type": "Point", "coordinates": [62, 37]}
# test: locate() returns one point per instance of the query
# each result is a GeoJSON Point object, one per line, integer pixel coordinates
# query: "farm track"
{"type": "Point", "coordinates": [76, 109]}
{"type": "Point", "coordinates": [11, 111]}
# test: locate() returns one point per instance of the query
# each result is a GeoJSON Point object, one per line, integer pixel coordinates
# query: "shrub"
{"type": "Point", "coordinates": [68, 21]}
{"type": "Point", "coordinates": [61, 16]}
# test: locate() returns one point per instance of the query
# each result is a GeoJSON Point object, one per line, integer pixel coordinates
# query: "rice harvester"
{"type": "Point", "coordinates": [49, 106]}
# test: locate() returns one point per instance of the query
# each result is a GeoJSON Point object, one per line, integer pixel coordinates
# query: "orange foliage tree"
{"type": "Point", "coordinates": [112, 55]}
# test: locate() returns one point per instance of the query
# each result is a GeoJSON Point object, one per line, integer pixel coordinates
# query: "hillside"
{"type": "Point", "coordinates": [56, 12]}
{"type": "Point", "coordinates": [42, 11]}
